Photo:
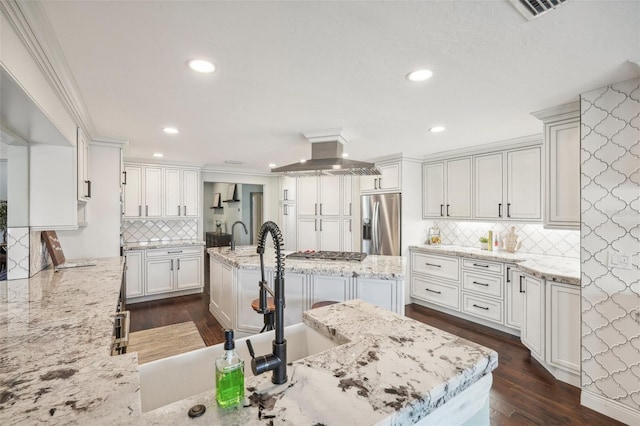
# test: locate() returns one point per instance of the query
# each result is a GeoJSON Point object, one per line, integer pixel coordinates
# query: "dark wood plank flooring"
{"type": "Point", "coordinates": [523, 392]}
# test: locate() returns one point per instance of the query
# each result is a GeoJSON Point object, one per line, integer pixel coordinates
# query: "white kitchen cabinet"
{"type": "Point", "coordinates": [433, 193]}
{"type": "Point", "coordinates": [308, 193]}
{"type": "Point", "coordinates": [153, 192]}
{"type": "Point", "coordinates": [308, 234]}
{"type": "Point", "coordinates": [514, 298]}
{"type": "Point", "coordinates": [227, 297]}
{"type": "Point", "coordinates": [135, 273]}
{"type": "Point", "coordinates": [160, 275]}
{"type": "Point", "coordinates": [533, 323]}
{"type": "Point", "coordinates": [181, 193]}
{"type": "Point", "coordinates": [563, 326]}
{"type": "Point", "coordinates": [329, 201]}
{"type": "Point", "coordinates": [319, 234]}
{"type": "Point", "coordinates": [524, 176]}
{"type": "Point", "coordinates": [382, 293]}
{"type": "Point", "coordinates": [458, 184]}
{"type": "Point", "coordinates": [189, 272]}
{"type": "Point", "coordinates": [329, 288]}
{"type": "Point", "coordinates": [319, 196]}
{"type": "Point", "coordinates": [288, 225]}
{"type": "Point", "coordinates": [215, 284]}
{"type": "Point", "coordinates": [296, 298]}
{"type": "Point", "coordinates": [329, 234]}
{"type": "Point", "coordinates": [249, 320]}
{"type": "Point", "coordinates": [347, 235]}
{"type": "Point", "coordinates": [133, 192]}
{"type": "Point", "coordinates": [287, 186]}
{"type": "Point", "coordinates": [347, 196]}
{"type": "Point", "coordinates": [84, 181]}
{"type": "Point", "coordinates": [488, 186]}
{"type": "Point", "coordinates": [390, 179]}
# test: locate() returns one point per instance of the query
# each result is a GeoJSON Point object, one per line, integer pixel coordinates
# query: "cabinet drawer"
{"type": "Point", "coordinates": [439, 293]}
{"type": "Point", "coordinates": [173, 251]}
{"type": "Point", "coordinates": [438, 266]}
{"type": "Point", "coordinates": [488, 285]}
{"type": "Point", "coordinates": [480, 307]}
{"type": "Point", "coordinates": [482, 265]}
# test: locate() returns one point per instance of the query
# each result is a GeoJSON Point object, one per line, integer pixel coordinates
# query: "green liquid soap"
{"type": "Point", "coordinates": [229, 375]}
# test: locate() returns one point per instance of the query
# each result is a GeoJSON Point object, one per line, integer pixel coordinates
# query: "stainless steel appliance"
{"type": "Point", "coordinates": [380, 214]}
{"type": "Point", "coordinates": [328, 255]}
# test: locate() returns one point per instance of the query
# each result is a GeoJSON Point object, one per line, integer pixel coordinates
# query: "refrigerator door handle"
{"type": "Point", "coordinates": [375, 231]}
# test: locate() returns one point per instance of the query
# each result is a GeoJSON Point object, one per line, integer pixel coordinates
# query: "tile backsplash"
{"type": "Point", "coordinates": [134, 231]}
{"type": "Point", "coordinates": [535, 239]}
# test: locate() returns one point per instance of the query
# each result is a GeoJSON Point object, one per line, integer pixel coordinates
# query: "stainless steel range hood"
{"type": "Point", "coordinates": [327, 147]}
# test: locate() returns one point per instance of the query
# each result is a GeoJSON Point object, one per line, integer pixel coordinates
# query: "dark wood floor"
{"type": "Point", "coordinates": [523, 393]}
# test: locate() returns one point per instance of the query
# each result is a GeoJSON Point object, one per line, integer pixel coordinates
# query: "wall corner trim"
{"type": "Point", "coordinates": [609, 407]}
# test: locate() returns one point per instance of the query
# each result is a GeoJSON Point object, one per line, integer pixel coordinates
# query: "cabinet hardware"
{"type": "Point", "coordinates": [508, 209]}
{"type": "Point", "coordinates": [349, 209]}
{"type": "Point", "coordinates": [441, 209]}
{"type": "Point", "coordinates": [140, 211]}
{"type": "Point", "coordinates": [185, 210]}
{"type": "Point", "coordinates": [380, 183]}
{"type": "Point", "coordinates": [433, 291]}
{"type": "Point", "coordinates": [482, 266]}
{"type": "Point", "coordinates": [172, 264]}
{"type": "Point", "coordinates": [321, 212]}
{"type": "Point", "coordinates": [484, 284]}
{"type": "Point", "coordinates": [508, 277]}
{"type": "Point", "coordinates": [375, 184]}
{"type": "Point", "coordinates": [178, 264]}
{"type": "Point", "coordinates": [286, 195]}
{"type": "Point", "coordinates": [179, 210]}
{"type": "Point", "coordinates": [521, 278]}
{"type": "Point", "coordinates": [315, 209]}
{"type": "Point", "coordinates": [350, 225]}
{"type": "Point", "coordinates": [320, 225]}
{"type": "Point", "coordinates": [174, 252]}
{"type": "Point", "coordinates": [284, 210]}
{"type": "Point", "coordinates": [499, 209]}
{"type": "Point", "coordinates": [146, 210]}
{"type": "Point", "coordinates": [125, 178]}
{"type": "Point", "coordinates": [447, 209]}
{"type": "Point", "coordinates": [481, 307]}
{"type": "Point", "coordinates": [88, 182]}
{"type": "Point", "coordinates": [433, 264]}
{"type": "Point", "coordinates": [315, 224]}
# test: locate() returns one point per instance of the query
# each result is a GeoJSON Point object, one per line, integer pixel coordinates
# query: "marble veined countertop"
{"type": "Point", "coordinates": [143, 245]}
{"type": "Point", "coordinates": [377, 267]}
{"type": "Point", "coordinates": [555, 268]}
{"type": "Point", "coordinates": [388, 369]}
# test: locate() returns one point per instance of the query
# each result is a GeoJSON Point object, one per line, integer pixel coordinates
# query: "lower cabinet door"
{"type": "Point", "coordinates": [215, 283]}
{"type": "Point", "coordinates": [514, 299]}
{"type": "Point", "coordinates": [227, 297]}
{"type": "Point", "coordinates": [135, 273]}
{"type": "Point", "coordinates": [563, 319]}
{"type": "Point", "coordinates": [378, 292]}
{"type": "Point", "coordinates": [329, 234]}
{"type": "Point", "coordinates": [308, 234]}
{"type": "Point", "coordinates": [188, 272]}
{"type": "Point", "coordinates": [159, 275]}
{"type": "Point", "coordinates": [329, 288]}
{"type": "Point", "coordinates": [533, 323]}
{"type": "Point", "coordinates": [295, 291]}
{"type": "Point", "coordinates": [248, 290]}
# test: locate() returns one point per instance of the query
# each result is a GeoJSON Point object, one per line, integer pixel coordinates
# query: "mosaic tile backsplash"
{"type": "Point", "coordinates": [535, 239]}
{"type": "Point", "coordinates": [135, 231]}
{"type": "Point", "coordinates": [610, 181]}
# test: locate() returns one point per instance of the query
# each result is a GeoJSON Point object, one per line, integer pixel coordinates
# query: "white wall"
{"type": "Point", "coordinates": [17, 185]}
{"type": "Point", "coordinates": [3, 179]}
{"type": "Point", "coordinates": [101, 237]}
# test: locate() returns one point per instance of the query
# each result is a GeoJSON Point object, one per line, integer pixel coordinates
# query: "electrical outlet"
{"type": "Point", "coordinates": [618, 259]}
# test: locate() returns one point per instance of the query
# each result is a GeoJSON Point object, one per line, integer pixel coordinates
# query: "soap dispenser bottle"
{"type": "Point", "coordinates": [229, 374]}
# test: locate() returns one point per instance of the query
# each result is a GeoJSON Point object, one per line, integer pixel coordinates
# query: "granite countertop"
{"type": "Point", "coordinates": [55, 361]}
{"type": "Point", "coordinates": [377, 267]}
{"type": "Point", "coordinates": [144, 245]}
{"type": "Point", "coordinates": [388, 369]}
{"type": "Point", "coordinates": [555, 268]}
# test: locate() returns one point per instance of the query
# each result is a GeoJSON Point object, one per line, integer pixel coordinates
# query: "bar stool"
{"type": "Point", "coordinates": [268, 316]}
{"type": "Point", "coordinates": [323, 303]}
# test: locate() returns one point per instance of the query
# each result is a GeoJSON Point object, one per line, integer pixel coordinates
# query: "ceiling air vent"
{"type": "Point", "coordinates": [531, 9]}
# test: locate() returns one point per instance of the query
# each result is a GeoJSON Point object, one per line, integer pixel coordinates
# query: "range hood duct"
{"type": "Point", "coordinates": [326, 158]}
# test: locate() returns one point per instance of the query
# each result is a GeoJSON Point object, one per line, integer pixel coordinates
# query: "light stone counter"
{"type": "Point", "coordinates": [55, 337]}
{"type": "Point", "coordinates": [554, 268]}
{"type": "Point", "coordinates": [376, 267]}
{"type": "Point", "coordinates": [389, 370]}
{"type": "Point", "coordinates": [145, 245]}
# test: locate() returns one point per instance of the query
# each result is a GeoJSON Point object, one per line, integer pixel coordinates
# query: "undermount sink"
{"type": "Point", "coordinates": [171, 379]}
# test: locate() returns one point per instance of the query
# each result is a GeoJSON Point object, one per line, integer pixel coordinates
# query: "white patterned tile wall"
{"type": "Point", "coordinates": [535, 239]}
{"type": "Point", "coordinates": [17, 253]}
{"type": "Point", "coordinates": [610, 181]}
{"type": "Point", "coordinates": [134, 231]}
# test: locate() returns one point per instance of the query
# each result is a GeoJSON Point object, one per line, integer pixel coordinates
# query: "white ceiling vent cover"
{"type": "Point", "coordinates": [531, 9]}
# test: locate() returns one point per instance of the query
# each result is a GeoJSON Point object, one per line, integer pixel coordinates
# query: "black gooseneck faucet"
{"type": "Point", "coordinates": [277, 360]}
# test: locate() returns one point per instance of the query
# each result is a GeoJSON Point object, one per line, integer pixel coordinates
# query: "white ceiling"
{"type": "Point", "coordinates": [288, 67]}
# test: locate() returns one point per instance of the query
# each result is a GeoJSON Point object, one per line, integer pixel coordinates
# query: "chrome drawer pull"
{"type": "Point", "coordinates": [482, 266]}
{"type": "Point", "coordinates": [484, 284]}
{"type": "Point", "coordinates": [433, 264]}
{"type": "Point", "coordinates": [481, 307]}
{"type": "Point", "coordinates": [433, 291]}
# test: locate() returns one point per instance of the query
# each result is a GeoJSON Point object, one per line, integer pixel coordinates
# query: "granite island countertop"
{"type": "Point", "coordinates": [145, 245]}
{"type": "Point", "coordinates": [554, 268]}
{"type": "Point", "coordinates": [376, 267]}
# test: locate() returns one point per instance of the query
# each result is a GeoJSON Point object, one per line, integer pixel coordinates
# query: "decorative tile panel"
{"type": "Point", "coordinates": [610, 181]}
{"type": "Point", "coordinates": [535, 239]}
{"type": "Point", "coordinates": [135, 231]}
{"type": "Point", "coordinates": [17, 253]}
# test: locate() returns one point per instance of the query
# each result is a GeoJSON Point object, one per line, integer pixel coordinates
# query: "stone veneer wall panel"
{"type": "Point", "coordinates": [610, 181]}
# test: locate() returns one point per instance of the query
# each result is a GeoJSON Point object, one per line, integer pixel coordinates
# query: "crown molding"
{"type": "Point", "coordinates": [158, 162]}
{"type": "Point", "coordinates": [515, 143]}
{"type": "Point", "coordinates": [30, 22]}
{"type": "Point", "coordinates": [208, 168]}
{"type": "Point", "coordinates": [560, 112]}
{"type": "Point", "coordinates": [113, 143]}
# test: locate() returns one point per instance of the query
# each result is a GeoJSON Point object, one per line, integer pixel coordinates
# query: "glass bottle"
{"type": "Point", "coordinates": [229, 374]}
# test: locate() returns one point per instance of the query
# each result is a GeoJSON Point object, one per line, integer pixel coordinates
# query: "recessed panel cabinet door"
{"type": "Point", "coordinates": [172, 201]}
{"type": "Point", "coordinates": [563, 314]}
{"type": "Point", "coordinates": [433, 196]}
{"type": "Point", "coordinates": [347, 196]}
{"type": "Point", "coordinates": [377, 292]}
{"type": "Point", "coordinates": [190, 191]}
{"type": "Point", "coordinates": [188, 272]}
{"type": "Point", "coordinates": [307, 196]}
{"type": "Point", "coordinates": [514, 301]}
{"type": "Point", "coordinates": [295, 298]}
{"type": "Point", "coordinates": [152, 192]}
{"type": "Point", "coordinates": [533, 325]}
{"type": "Point", "coordinates": [524, 176]}
{"type": "Point", "coordinates": [133, 192]}
{"type": "Point", "coordinates": [329, 202]}
{"type": "Point", "coordinates": [488, 184]}
{"type": "Point", "coordinates": [329, 234]}
{"type": "Point", "coordinates": [308, 234]}
{"type": "Point", "coordinates": [458, 188]}
{"type": "Point", "coordinates": [329, 288]}
{"type": "Point", "coordinates": [563, 174]}
{"type": "Point", "coordinates": [347, 234]}
{"type": "Point", "coordinates": [159, 275]}
{"type": "Point", "coordinates": [134, 274]}
{"type": "Point", "coordinates": [215, 283]}
{"type": "Point", "coordinates": [248, 319]}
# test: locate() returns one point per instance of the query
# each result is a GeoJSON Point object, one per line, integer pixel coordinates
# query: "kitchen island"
{"type": "Point", "coordinates": [235, 276]}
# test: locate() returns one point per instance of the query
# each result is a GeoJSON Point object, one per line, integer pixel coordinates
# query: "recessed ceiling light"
{"type": "Point", "coordinates": [200, 65]}
{"type": "Point", "coordinates": [171, 130]}
{"type": "Point", "coordinates": [158, 154]}
{"type": "Point", "coordinates": [303, 160]}
{"type": "Point", "coordinates": [345, 154]}
{"type": "Point", "coordinates": [437, 129]}
{"type": "Point", "coordinates": [272, 165]}
{"type": "Point", "coordinates": [419, 75]}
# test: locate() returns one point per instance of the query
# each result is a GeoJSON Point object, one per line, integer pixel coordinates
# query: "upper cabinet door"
{"type": "Point", "coordinates": [133, 192]}
{"type": "Point", "coordinates": [458, 188]}
{"type": "Point", "coordinates": [190, 191]}
{"type": "Point", "coordinates": [390, 179]}
{"type": "Point", "coordinates": [488, 184]}
{"type": "Point", "coordinates": [84, 184]}
{"type": "Point", "coordinates": [347, 196]}
{"type": "Point", "coordinates": [172, 200]}
{"type": "Point", "coordinates": [287, 188]}
{"type": "Point", "coordinates": [563, 174]}
{"type": "Point", "coordinates": [308, 195]}
{"type": "Point", "coordinates": [524, 184]}
{"type": "Point", "coordinates": [152, 192]}
{"type": "Point", "coordinates": [308, 234]}
{"type": "Point", "coordinates": [433, 192]}
{"type": "Point", "coordinates": [329, 202]}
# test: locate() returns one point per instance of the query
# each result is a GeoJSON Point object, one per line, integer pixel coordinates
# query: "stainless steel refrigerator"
{"type": "Point", "coordinates": [380, 214]}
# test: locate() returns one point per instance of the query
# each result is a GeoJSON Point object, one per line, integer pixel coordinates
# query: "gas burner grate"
{"type": "Point", "coordinates": [328, 255]}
